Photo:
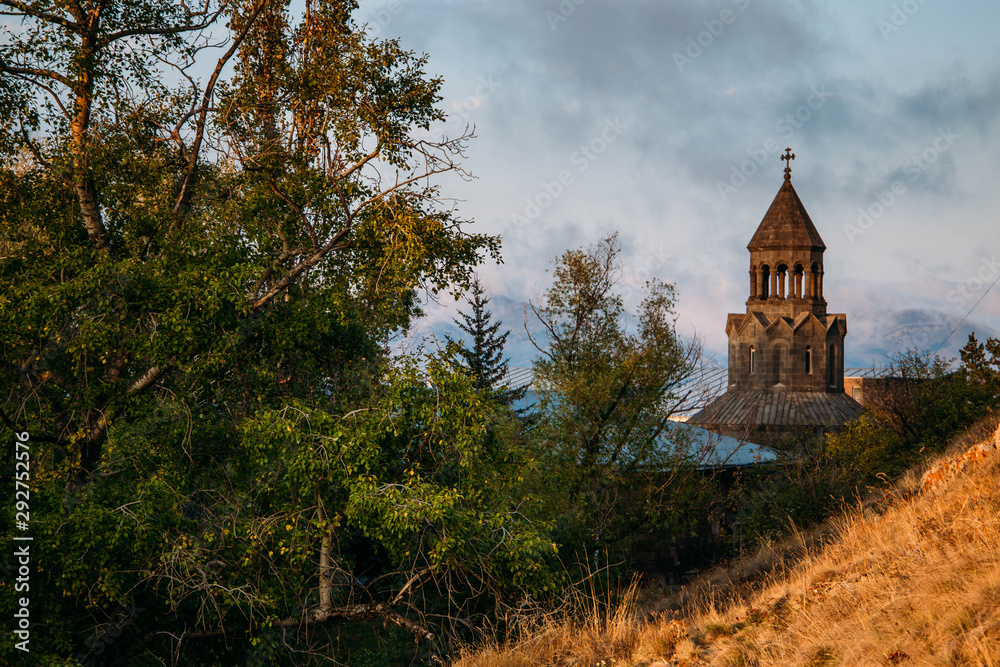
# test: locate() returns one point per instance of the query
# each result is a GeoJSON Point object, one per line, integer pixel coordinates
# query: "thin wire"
{"type": "Point", "coordinates": [966, 316]}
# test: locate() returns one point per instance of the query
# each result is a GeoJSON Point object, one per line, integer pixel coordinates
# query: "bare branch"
{"type": "Point", "coordinates": [186, 190]}
{"type": "Point", "coordinates": [398, 185]}
{"type": "Point", "coordinates": [27, 10]}
{"type": "Point", "coordinates": [360, 611]}
{"type": "Point", "coordinates": [38, 72]}
{"type": "Point", "coordinates": [145, 30]}
{"type": "Point", "coordinates": [310, 261]}
{"type": "Point", "coordinates": [360, 163]}
{"type": "Point", "coordinates": [545, 323]}
{"type": "Point", "coordinates": [146, 379]}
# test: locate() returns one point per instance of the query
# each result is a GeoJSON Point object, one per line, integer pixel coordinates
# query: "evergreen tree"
{"type": "Point", "coordinates": [981, 371]}
{"type": "Point", "coordinates": [485, 360]}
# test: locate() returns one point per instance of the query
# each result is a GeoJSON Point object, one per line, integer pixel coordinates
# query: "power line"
{"type": "Point", "coordinates": [966, 316]}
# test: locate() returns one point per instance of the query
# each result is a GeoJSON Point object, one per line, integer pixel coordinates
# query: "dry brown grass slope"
{"type": "Point", "coordinates": [911, 577]}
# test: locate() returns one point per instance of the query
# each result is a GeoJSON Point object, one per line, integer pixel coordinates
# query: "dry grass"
{"type": "Point", "coordinates": [907, 578]}
{"type": "Point", "coordinates": [583, 633]}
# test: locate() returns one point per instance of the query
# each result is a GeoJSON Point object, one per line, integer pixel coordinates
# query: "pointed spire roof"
{"type": "Point", "coordinates": [786, 224]}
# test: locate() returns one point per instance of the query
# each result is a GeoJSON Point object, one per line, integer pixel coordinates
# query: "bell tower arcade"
{"type": "Point", "coordinates": [786, 341]}
{"type": "Point", "coordinates": [786, 352]}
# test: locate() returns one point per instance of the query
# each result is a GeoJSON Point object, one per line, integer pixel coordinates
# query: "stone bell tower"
{"type": "Point", "coordinates": [786, 353]}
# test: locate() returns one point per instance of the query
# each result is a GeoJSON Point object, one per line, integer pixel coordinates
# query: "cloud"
{"type": "Point", "coordinates": [817, 76]}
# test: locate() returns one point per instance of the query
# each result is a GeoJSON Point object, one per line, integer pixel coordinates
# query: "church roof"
{"type": "Point", "coordinates": [755, 409]}
{"type": "Point", "coordinates": [786, 224]}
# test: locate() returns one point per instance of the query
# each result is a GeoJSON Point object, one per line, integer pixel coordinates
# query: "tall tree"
{"type": "Point", "coordinates": [289, 183]}
{"type": "Point", "coordinates": [483, 355]}
{"type": "Point", "coordinates": [606, 395]}
{"type": "Point", "coordinates": [196, 285]}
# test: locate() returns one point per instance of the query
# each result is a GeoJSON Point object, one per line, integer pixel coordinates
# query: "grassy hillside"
{"type": "Point", "coordinates": [909, 577]}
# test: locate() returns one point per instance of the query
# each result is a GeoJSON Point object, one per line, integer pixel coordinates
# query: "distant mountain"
{"type": "Point", "coordinates": [873, 333]}
{"type": "Point", "coordinates": [919, 328]}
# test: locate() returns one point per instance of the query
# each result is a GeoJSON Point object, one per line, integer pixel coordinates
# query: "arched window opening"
{"type": "Point", "coordinates": [783, 371]}
{"type": "Point", "coordinates": [782, 291]}
{"type": "Point", "coordinates": [751, 359]}
{"type": "Point", "coordinates": [765, 282]}
{"type": "Point", "coordinates": [832, 362]}
{"type": "Point", "coordinates": [799, 274]}
{"type": "Point", "coordinates": [809, 359]}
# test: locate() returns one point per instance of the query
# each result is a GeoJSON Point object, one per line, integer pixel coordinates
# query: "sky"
{"type": "Point", "coordinates": [665, 121]}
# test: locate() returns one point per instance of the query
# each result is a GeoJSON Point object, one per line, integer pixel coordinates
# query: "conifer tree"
{"type": "Point", "coordinates": [483, 356]}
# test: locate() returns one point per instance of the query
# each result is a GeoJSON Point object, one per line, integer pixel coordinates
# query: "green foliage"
{"type": "Point", "coordinates": [770, 501]}
{"type": "Point", "coordinates": [866, 448]}
{"type": "Point", "coordinates": [980, 371]}
{"type": "Point", "coordinates": [609, 462]}
{"type": "Point", "coordinates": [197, 286]}
{"type": "Point", "coordinates": [923, 401]}
{"type": "Point", "coordinates": [409, 476]}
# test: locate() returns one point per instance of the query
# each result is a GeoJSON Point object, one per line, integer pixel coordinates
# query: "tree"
{"type": "Point", "coordinates": [923, 400]}
{"type": "Point", "coordinates": [197, 285]}
{"type": "Point", "coordinates": [982, 371]}
{"type": "Point", "coordinates": [485, 360]}
{"type": "Point", "coordinates": [289, 186]}
{"type": "Point", "coordinates": [606, 395]}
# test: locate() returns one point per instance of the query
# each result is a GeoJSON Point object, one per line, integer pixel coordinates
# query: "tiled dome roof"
{"type": "Point", "coordinates": [786, 224]}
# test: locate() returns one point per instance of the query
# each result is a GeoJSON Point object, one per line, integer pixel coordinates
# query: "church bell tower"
{"type": "Point", "coordinates": [786, 341]}
{"type": "Point", "coordinates": [786, 352]}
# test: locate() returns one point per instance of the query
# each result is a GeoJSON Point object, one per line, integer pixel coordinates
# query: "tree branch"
{"type": "Point", "coordinates": [93, 443]}
{"type": "Point", "coordinates": [28, 10]}
{"type": "Point", "coordinates": [187, 190]}
{"type": "Point", "coordinates": [310, 261]}
{"type": "Point", "coordinates": [360, 163]}
{"type": "Point", "coordinates": [359, 611]}
{"type": "Point", "coordinates": [36, 71]}
{"type": "Point", "coordinates": [187, 27]}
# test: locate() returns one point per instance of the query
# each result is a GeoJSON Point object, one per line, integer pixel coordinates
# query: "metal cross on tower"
{"type": "Point", "coordinates": [788, 157]}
